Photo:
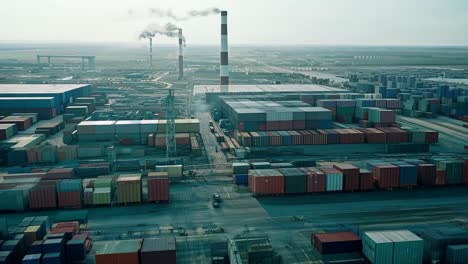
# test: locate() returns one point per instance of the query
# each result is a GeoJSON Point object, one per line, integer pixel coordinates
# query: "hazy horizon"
{"type": "Point", "coordinates": [261, 22]}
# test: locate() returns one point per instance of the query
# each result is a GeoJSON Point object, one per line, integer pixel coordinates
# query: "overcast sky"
{"type": "Point", "coordinates": [283, 22]}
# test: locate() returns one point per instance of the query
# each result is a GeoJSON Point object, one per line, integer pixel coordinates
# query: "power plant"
{"type": "Point", "coordinates": [294, 154]}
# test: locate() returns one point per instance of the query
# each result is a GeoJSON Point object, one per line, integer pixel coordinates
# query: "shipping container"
{"type": "Point", "coordinates": [350, 176]}
{"type": "Point", "coordinates": [129, 189]}
{"type": "Point", "coordinates": [334, 179]}
{"type": "Point", "coordinates": [427, 174]}
{"type": "Point", "coordinates": [456, 254]}
{"type": "Point", "coordinates": [173, 171]}
{"type": "Point", "coordinates": [387, 176]}
{"type": "Point", "coordinates": [161, 249]}
{"type": "Point", "coordinates": [366, 180]}
{"type": "Point", "coordinates": [316, 180]}
{"type": "Point", "coordinates": [336, 243]}
{"type": "Point", "coordinates": [295, 181]}
{"type": "Point", "coordinates": [43, 196]}
{"type": "Point", "coordinates": [158, 187]}
{"type": "Point", "coordinates": [119, 252]}
{"type": "Point", "coordinates": [377, 247]}
{"type": "Point", "coordinates": [266, 181]}
{"type": "Point", "coordinates": [408, 174]}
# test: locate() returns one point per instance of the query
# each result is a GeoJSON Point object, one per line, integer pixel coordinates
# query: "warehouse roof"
{"type": "Point", "coordinates": [38, 88]}
{"type": "Point", "coordinates": [266, 88]}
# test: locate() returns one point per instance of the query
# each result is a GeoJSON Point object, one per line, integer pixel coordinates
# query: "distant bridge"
{"type": "Point", "coordinates": [89, 60]}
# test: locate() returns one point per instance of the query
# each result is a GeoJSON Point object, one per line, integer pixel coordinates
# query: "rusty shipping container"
{"type": "Point", "coordinates": [158, 187]}
{"type": "Point", "coordinates": [387, 176]}
{"type": "Point", "coordinates": [60, 173]}
{"type": "Point", "coordinates": [316, 180]}
{"type": "Point", "coordinates": [336, 243]}
{"type": "Point", "coordinates": [350, 176]}
{"type": "Point", "coordinates": [129, 189]}
{"type": "Point", "coordinates": [69, 199]}
{"type": "Point", "coordinates": [43, 196]}
{"type": "Point", "coordinates": [366, 180]}
{"type": "Point", "coordinates": [266, 181]}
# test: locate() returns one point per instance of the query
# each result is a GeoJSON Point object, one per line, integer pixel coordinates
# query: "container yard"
{"type": "Point", "coordinates": [163, 151]}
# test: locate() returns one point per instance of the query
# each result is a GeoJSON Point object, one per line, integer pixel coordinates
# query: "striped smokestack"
{"type": "Point", "coordinates": [151, 52]}
{"type": "Point", "coordinates": [224, 69]}
{"type": "Point", "coordinates": [181, 55]}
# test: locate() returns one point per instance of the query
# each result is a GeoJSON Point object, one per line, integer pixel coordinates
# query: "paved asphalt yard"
{"type": "Point", "coordinates": [288, 221]}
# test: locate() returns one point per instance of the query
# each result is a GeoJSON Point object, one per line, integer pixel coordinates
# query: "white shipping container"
{"type": "Point", "coordinates": [96, 127]}
{"type": "Point", "coordinates": [172, 170]}
{"type": "Point", "coordinates": [334, 182]}
{"type": "Point", "coordinates": [127, 127]}
{"type": "Point", "coordinates": [148, 126]}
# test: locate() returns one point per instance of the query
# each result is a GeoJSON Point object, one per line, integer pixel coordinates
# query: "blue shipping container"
{"type": "Point", "coordinates": [408, 174]}
{"type": "Point", "coordinates": [52, 258]}
{"type": "Point", "coordinates": [241, 179]}
{"type": "Point", "coordinates": [52, 245]}
{"type": "Point", "coordinates": [76, 250]}
{"type": "Point", "coordinates": [32, 259]}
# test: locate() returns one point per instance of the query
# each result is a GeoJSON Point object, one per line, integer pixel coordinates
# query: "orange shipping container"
{"type": "Point", "coordinates": [129, 189]}
{"type": "Point", "coordinates": [268, 181]}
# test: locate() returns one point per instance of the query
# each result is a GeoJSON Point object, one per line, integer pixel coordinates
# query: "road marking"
{"type": "Point", "coordinates": [227, 193]}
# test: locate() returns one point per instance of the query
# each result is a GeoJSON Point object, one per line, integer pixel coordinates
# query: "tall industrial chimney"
{"type": "Point", "coordinates": [151, 52]}
{"type": "Point", "coordinates": [181, 55]}
{"type": "Point", "coordinates": [224, 69]}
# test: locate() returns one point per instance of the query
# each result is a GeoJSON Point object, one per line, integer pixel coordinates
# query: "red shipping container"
{"type": "Point", "coordinates": [285, 125]}
{"type": "Point", "coordinates": [335, 243]}
{"type": "Point", "coordinates": [440, 178]}
{"type": "Point", "coordinates": [432, 137]}
{"type": "Point", "coordinates": [387, 176]}
{"type": "Point", "coordinates": [366, 180]}
{"type": "Point", "coordinates": [350, 176]}
{"type": "Point", "coordinates": [69, 199]}
{"type": "Point", "coordinates": [316, 180]}
{"type": "Point", "coordinates": [427, 174]}
{"type": "Point", "coordinates": [43, 196]}
{"type": "Point", "coordinates": [267, 184]}
{"type": "Point", "coordinates": [158, 188]}
{"type": "Point", "coordinates": [272, 125]}
{"type": "Point", "coordinates": [373, 136]}
{"type": "Point", "coordinates": [60, 173]}
{"type": "Point", "coordinates": [240, 126]}
{"type": "Point", "coordinates": [262, 127]}
{"type": "Point", "coordinates": [394, 135]}
{"type": "Point", "coordinates": [465, 172]}
{"type": "Point", "coordinates": [299, 124]}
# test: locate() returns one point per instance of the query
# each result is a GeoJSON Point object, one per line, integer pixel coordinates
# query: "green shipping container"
{"type": "Point", "coordinates": [103, 183]}
{"type": "Point", "coordinates": [377, 247]}
{"type": "Point", "coordinates": [102, 196]}
{"type": "Point", "coordinates": [453, 170]}
{"type": "Point", "coordinates": [407, 248]}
